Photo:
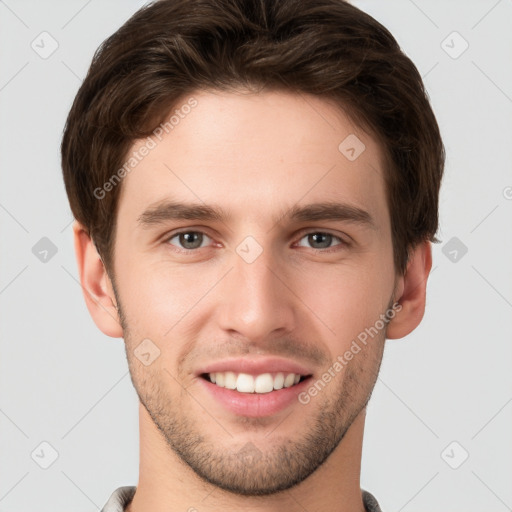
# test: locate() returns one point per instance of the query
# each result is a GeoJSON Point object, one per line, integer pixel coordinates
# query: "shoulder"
{"type": "Point", "coordinates": [119, 499]}
{"type": "Point", "coordinates": [370, 503]}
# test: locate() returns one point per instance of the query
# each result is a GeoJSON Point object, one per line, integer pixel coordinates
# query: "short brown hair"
{"type": "Point", "coordinates": [327, 48]}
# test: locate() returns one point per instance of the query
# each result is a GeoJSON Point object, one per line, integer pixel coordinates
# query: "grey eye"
{"type": "Point", "coordinates": [320, 240]}
{"type": "Point", "coordinates": [189, 239]}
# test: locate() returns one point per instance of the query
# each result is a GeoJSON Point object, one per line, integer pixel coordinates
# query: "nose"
{"type": "Point", "coordinates": [256, 299]}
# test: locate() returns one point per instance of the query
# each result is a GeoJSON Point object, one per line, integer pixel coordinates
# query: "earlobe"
{"type": "Point", "coordinates": [411, 292]}
{"type": "Point", "coordinates": [96, 285]}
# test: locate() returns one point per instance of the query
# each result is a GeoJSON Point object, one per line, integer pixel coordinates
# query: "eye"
{"type": "Point", "coordinates": [189, 240]}
{"type": "Point", "coordinates": [321, 240]}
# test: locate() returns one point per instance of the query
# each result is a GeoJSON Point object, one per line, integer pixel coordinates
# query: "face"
{"type": "Point", "coordinates": [276, 260]}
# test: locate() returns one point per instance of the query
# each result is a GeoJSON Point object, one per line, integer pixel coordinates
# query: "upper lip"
{"type": "Point", "coordinates": [255, 366]}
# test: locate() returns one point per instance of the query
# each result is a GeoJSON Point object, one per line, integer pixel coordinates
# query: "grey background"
{"type": "Point", "coordinates": [64, 383]}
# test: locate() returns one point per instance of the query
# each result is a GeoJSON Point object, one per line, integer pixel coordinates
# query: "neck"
{"type": "Point", "coordinates": [167, 484]}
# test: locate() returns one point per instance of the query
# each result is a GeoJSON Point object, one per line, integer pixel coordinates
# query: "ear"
{"type": "Point", "coordinates": [96, 285]}
{"type": "Point", "coordinates": [410, 292]}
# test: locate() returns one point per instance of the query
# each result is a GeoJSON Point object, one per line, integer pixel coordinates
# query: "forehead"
{"type": "Point", "coordinates": [255, 154]}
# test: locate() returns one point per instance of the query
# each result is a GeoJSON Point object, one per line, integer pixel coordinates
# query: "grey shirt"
{"type": "Point", "coordinates": [122, 496]}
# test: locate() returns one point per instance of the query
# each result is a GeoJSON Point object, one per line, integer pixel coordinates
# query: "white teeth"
{"type": "Point", "coordinates": [264, 383]}
{"type": "Point", "coordinates": [290, 379]}
{"type": "Point", "coordinates": [245, 383]}
{"type": "Point", "coordinates": [279, 381]}
{"type": "Point", "coordinates": [230, 380]}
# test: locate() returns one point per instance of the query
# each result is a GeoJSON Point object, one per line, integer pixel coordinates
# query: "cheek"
{"type": "Point", "coordinates": [156, 297]}
{"type": "Point", "coordinates": [346, 299]}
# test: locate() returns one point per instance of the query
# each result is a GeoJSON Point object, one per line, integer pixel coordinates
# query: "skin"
{"type": "Point", "coordinates": [256, 156]}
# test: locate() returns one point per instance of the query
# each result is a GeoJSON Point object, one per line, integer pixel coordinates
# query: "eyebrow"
{"type": "Point", "coordinates": [172, 210]}
{"type": "Point", "coordinates": [331, 211]}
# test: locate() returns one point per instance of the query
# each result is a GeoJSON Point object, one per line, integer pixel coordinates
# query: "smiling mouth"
{"type": "Point", "coordinates": [256, 384]}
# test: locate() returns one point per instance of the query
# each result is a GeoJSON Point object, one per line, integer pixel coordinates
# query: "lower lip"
{"type": "Point", "coordinates": [256, 405]}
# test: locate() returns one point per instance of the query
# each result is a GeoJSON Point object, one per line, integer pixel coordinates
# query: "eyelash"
{"type": "Point", "coordinates": [342, 243]}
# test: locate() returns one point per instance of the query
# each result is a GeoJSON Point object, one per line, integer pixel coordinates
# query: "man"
{"type": "Point", "coordinates": [255, 186]}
